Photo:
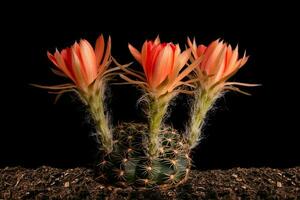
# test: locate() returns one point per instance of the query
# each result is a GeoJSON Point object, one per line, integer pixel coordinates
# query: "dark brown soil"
{"type": "Point", "coordinates": [79, 183]}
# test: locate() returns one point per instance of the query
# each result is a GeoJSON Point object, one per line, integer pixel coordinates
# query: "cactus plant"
{"type": "Point", "coordinates": [131, 164]}
{"type": "Point", "coordinates": [153, 153]}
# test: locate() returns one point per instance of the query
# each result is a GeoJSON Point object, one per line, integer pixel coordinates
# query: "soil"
{"type": "Point", "coordinates": [80, 183]}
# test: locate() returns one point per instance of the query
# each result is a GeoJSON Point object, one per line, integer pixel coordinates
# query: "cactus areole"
{"type": "Point", "coordinates": [152, 154]}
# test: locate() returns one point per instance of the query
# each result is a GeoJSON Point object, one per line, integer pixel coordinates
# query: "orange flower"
{"type": "Point", "coordinates": [162, 64]}
{"type": "Point", "coordinates": [81, 63]}
{"type": "Point", "coordinates": [219, 63]}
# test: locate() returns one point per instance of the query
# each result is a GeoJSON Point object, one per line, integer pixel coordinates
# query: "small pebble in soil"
{"type": "Point", "coordinates": [234, 175]}
{"type": "Point", "coordinates": [279, 184]}
{"type": "Point", "coordinates": [67, 184]}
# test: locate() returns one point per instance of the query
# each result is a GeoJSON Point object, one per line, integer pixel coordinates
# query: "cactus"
{"type": "Point", "coordinates": [151, 154]}
{"type": "Point", "coordinates": [131, 164]}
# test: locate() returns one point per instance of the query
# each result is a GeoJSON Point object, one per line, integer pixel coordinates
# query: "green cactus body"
{"type": "Point", "coordinates": [131, 164]}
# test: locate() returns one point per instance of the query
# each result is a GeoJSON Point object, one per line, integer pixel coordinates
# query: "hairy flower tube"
{"type": "Point", "coordinates": [87, 68]}
{"type": "Point", "coordinates": [163, 65]}
{"type": "Point", "coordinates": [220, 62]}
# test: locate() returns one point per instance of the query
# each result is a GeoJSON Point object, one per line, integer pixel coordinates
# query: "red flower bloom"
{"type": "Point", "coordinates": [162, 64]}
{"type": "Point", "coordinates": [81, 63]}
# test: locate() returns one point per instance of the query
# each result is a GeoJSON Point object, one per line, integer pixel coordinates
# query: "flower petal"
{"type": "Point", "coordinates": [144, 54]}
{"type": "Point", "coordinates": [89, 61]}
{"type": "Point", "coordinates": [210, 49]}
{"type": "Point", "coordinates": [201, 49]}
{"type": "Point", "coordinates": [220, 65]}
{"type": "Point", "coordinates": [62, 66]}
{"type": "Point", "coordinates": [157, 40]}
{"type": "Point", "coordinates": [52, 58]}
{"type": "Point", "coordinates": [107, 52]}
{"type": "Point", "coordinates": [162, 65]}
{"type": "Point", "coordinates": [66, 55]}
{"type": "Point", "coordinates": [99, 49]}
{"type": "Point", "coordinates": [135, 53]}
{"type": "Point", "coordinates": [180, 62]}
{"type": "Point", "coordinates": [193, 47]}
{"type": "Point", "coordinates": [213, 58]}
{"type": "Point", "coordinates": [232, 62]}
{"type": "Point", "coordinates": [77, 69]}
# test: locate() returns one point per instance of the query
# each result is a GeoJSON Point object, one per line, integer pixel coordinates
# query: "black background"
{"type": "Point", "coordinates": [260, 130]}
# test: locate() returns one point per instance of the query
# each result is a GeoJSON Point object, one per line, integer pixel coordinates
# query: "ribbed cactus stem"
{"type": "Point", "coordinates": [130, 164]}
{"type": "Point", "coordinates": [97, 109]}
{"type": "Point", "coordinates": [157, 110]}
{"type": "Point", "coordinates": [202, 104]}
